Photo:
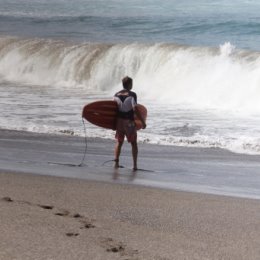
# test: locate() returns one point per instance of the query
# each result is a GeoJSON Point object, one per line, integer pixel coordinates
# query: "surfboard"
{"type": "Point", "coordinates": [104, 114]}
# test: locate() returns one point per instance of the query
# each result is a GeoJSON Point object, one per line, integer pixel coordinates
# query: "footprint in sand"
{"type": "Point", "coordinates": [77, 215]}
{"type": "Point", "coordinates": [7, 199]}
{"type": "Point", "coordinates": [63, 213]}
{"type": "Point", "coordinates": [46, 206]}
{"type": "Point", "coordinates": [113, 246]}
{"type": "Point", "coordinates": [87, 225]}
{"type": "Point", "coordinates": [70, 234]}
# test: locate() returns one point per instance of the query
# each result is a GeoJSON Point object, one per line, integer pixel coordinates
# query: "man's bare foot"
{"type": "Point", "coordinates": [116, 166]}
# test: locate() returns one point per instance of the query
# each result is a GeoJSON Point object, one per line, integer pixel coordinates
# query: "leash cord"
{"type": "Point", "coordinates": [107, 162]}
{"type": "Point", "coordinates": [86, 144]}
{"type": "Point", "coordinates": [84, 155]}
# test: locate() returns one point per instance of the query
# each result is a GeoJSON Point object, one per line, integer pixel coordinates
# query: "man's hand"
{"type": "Point", "coordinates": [139, 116]}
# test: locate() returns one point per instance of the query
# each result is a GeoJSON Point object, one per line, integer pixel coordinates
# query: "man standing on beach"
{"type": "Point", "coordinates": [127, 101]}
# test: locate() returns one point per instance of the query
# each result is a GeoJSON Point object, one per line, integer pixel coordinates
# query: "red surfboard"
{"type": "Point", "coordinates": [104, 114]}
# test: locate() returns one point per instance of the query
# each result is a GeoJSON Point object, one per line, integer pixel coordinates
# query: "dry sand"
{"type": "Point", "coordinates": [61, 218]}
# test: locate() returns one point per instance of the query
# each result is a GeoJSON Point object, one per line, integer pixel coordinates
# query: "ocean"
{"type": "Point", "coordinates": [195, 66]}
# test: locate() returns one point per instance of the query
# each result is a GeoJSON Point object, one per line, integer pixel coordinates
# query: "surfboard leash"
{"type": "Point", "coordinates": [114, 160]}
{"type": "Point", "coordinates": [84, 155]}
{"type": "Point", "coordinates": [86, 143]}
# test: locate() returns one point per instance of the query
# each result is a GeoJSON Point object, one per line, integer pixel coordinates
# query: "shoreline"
{"type": "Point", "coordinates": [202, 170]}
{"type": "Point", "coordinates": [46, 217]}
{"type": "Point", "coordinates": [71, 134]}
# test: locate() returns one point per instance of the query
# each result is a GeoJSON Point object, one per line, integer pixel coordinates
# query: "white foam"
{"type": "Point", "coordinates": [195, 96]}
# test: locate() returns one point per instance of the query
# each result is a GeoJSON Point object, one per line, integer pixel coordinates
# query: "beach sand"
{"type": "Point", "coordinates": [44, 217]}
{"type": "Point", "coordinates": [50, 208]}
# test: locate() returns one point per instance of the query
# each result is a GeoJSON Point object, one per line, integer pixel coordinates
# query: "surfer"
{"type": "Point", "coordinates": [127, 101]}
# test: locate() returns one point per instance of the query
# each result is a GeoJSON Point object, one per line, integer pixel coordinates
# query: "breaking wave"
{"type": "Point", "coordinates": [216, 78]}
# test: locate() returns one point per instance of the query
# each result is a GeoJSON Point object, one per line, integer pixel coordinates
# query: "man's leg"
{"type": "Point", "coordinates": [134, 154]}
{"type": "Point", "coordinates": [117, 152]}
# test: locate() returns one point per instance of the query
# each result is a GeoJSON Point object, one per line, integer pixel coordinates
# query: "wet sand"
{"type": "Point", "coordinates": [203, 170]}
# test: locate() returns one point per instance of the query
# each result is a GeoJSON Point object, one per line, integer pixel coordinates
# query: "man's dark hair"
{"type": "Point", "coordinates": [127, 81]}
